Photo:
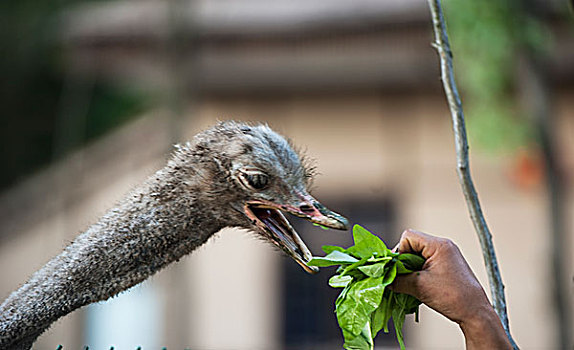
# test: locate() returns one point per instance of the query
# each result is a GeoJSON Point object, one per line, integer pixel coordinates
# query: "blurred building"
{"type": "Point", "coordinates": [356, 84]}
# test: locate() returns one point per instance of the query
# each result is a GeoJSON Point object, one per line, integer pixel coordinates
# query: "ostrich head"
{"type": "Point", "coordinates": [253, 176]}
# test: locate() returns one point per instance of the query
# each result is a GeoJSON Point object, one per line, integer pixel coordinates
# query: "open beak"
{"type": "Point", "coordinates": [268, 217]}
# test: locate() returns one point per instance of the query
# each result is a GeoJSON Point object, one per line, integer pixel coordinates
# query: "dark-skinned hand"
{"type": "Point", "coordinates": [447, 285]}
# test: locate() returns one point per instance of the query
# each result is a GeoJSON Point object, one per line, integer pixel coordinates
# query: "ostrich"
{"type": "Point", "coordinates": [231, 175]}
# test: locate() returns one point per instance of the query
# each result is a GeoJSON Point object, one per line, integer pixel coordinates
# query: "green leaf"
{"type": "Point", "coordinates": [380, 317]}
{"type": "Point", "coordinates": [412, 261]}
{"type": "Point", "coordinates": [401, 269]}
{"type": "Point", "coordinates": [376, 260]}
{"type": "Point", "coordinates": [355, 273]}
{"type": "Point", "coordinates": [404, 304]}
{"type": "Point", "coordinates": [339, 281]}
{"type": "Point", "coordinates": [356, 342]}
{"type": "Point", "coordinates": [375, 270]}
{"type": "Point", "coordinates": [330, 248]}
{"type": "Point", "coordinates": [342, 296]}
{"type": "Point", "coordinates": [390, 276]}
{"type": "Point", "coordinates": [351, 314]}
{"type": "Point", "coordinates": [398, 321]}
{"type": "Point", "coordinates": [407, 302]}
{"type": "Point", "coordinates": [361, 299]}
{"type": "Point", "coordinates": [349, 269]}
{"type": "Point", "coordinates": [368, 292]}
{"type": "Point", "coordinates": [366, 244]}
{"type": "Point", "coordinates": [389, 301]}
{"type": "Point", "coordinates": [387, 304]}
{"type": "Point", "coordinates": [366, 334]}
{"type": "Point", "coordinates": [333, 258]}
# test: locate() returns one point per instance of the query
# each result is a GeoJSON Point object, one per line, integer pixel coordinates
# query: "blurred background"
{"type": "Point", "coordinates": [95, 93]}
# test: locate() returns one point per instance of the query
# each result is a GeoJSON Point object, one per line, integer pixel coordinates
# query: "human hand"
{"type": "Point", "coordinates": [447, 285]}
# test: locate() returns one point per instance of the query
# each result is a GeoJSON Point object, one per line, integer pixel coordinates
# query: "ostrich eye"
{"type": "Point", "coordinates": [256, 180]}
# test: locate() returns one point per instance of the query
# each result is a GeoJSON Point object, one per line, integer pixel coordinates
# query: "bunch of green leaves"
{"type": "Point", "coordinates": [365, 305]}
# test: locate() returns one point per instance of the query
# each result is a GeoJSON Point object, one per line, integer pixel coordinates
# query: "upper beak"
{"type": "Point", "coordinates": [317, 213]}
{"type": "Point", "coordinates": [267, 217]}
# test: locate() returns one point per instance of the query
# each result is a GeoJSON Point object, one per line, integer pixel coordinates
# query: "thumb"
{"type": "Point", "coordinates": [407, 284]}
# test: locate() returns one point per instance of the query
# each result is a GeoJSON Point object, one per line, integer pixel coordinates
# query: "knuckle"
{"type": "Point", "coordinates": [449, 245]}
{"type": "Point", "coordinates": [408, 233]}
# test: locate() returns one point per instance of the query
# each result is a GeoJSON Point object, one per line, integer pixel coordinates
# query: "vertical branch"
{"type": "Point", "coordinates": [442, 46]}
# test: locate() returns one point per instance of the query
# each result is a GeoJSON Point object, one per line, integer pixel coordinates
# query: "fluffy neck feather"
{"type": "Point", "coordinates": [165, 219]}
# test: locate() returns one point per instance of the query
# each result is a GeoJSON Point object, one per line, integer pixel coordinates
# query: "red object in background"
{"type": "Point", "coordinates": [527, 170]}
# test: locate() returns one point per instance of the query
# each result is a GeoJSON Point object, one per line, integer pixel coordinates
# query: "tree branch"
{"type": "Point", "coordinates": [442, 46]}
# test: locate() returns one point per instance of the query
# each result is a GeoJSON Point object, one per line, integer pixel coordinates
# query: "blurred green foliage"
{"type": "Point", "coordinates": [32, 86]}
{"type": "Point", "coordinates": [487, 38]}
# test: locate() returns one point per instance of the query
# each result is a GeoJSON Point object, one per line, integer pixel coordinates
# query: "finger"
{"type": "Point", "coordinates": [413, 241]}
{"type": "Point", "coordinates": [407, 284]}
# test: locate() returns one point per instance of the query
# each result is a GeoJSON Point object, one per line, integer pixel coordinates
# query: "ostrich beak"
{"type": "Point", "coordinates": [269, 219]}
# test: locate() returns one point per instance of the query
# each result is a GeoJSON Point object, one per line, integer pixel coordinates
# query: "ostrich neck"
{"type": "Point", "coordinates": [153, 227]}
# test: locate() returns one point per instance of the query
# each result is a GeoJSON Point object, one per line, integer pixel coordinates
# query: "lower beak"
{"type": "Point", "coordinates": [272, 223]}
